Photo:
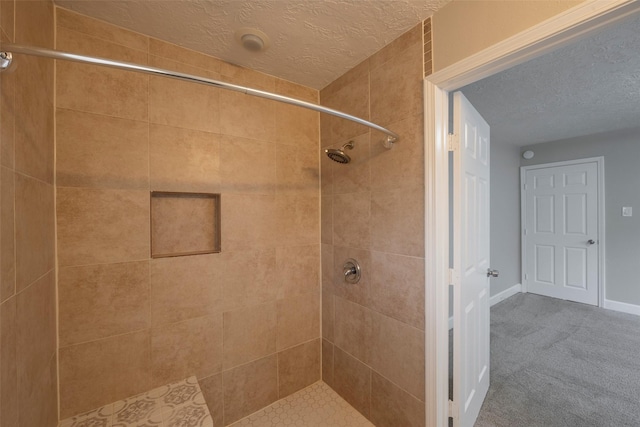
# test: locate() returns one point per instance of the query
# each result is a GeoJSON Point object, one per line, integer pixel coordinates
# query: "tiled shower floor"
{"type": "Point", "coordinates": [174, 405]}
{"type": "Point", "coordinates": [182, 404]}
{"type": "Point", "coordinates": [315, 406]}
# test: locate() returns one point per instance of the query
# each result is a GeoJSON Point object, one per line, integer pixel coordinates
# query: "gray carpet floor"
{"type": "Point", "coordinates": [558, 363]}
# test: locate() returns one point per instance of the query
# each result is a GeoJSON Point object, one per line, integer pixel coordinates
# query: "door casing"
{"type": "Point", "coordinates": [560, 30]}
{"type": "Point", "coordinates": [601, 220]}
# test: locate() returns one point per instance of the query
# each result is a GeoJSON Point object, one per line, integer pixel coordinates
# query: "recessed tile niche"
{"type": "Point", "coordinates": [184, 224]}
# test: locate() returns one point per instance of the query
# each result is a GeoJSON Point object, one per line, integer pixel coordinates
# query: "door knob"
{"type": "Point", "coordinates": [591, 242]}
{"type": "Point", "coordinates": [492, 273]}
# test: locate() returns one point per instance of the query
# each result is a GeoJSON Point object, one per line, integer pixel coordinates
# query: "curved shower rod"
{"type": "Point", "coordinates": [9, 48]}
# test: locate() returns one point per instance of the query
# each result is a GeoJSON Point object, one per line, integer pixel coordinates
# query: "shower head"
{"type": "Point", "coordinates": [339, 155]}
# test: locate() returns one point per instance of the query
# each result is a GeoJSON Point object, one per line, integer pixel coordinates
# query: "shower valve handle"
{"type": "Point", "coordinates": [351, 271]}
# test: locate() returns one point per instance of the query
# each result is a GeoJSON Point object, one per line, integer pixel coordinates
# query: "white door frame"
{"type": "Point", "coordinates": [547, 36]}
{"type": "Point", "coordinates": [601, 212]}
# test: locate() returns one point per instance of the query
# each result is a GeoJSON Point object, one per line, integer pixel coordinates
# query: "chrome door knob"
{"type": "Point", "coordinates": [591, 242]}
{"type": "Point", "coordinates": [492, 273]}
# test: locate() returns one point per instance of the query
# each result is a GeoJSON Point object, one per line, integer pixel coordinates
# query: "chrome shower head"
{"type": "Point", "coordinates": [339, 155]}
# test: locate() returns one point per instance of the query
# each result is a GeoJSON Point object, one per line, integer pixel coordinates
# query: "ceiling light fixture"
{"type": "Point", "coordinates": [252, 39]}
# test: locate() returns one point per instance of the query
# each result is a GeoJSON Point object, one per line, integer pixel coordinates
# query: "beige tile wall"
{"type": "Point", "coordinates": [373, 211]}
{"type": "Point", "coordinates": [28, 376]}
{"type": "Point", "coordinates": [246, 321]}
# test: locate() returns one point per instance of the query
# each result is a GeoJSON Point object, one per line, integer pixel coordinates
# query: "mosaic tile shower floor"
{"type": "Point", "coordinates": [175, 405]}
{"type": "Point", "coordinates": [182, 405]}
{"type": "Point", "coordinates": [315, 406]}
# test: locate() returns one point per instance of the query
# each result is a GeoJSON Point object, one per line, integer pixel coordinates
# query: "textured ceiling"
{"type": "Point", "coordinates": [591, 86]}
{"type": "Point", "coordinates": [313, 42]}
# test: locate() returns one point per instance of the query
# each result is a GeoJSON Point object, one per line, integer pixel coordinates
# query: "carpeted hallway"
{"type": "Point", "coordinates": [558, 363]}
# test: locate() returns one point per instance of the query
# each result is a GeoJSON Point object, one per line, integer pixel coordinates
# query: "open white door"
{"type": "Point", "coordinates": [470, 262]}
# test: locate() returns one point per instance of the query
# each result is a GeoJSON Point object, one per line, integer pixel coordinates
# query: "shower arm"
{"type": "Point", "coordinates": [8, 49]}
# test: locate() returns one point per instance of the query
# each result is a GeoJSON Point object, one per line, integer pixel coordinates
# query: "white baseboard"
{"type": "Point", "coordinates": [509, 292]}
{"type": "Point", "coordinates": [515, 289]}
{"type": "Point", "coordinates": [622, 307]}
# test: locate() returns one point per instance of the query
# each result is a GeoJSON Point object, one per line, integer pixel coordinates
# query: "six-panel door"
{"type": "Point", "coordinates": [561, 231]}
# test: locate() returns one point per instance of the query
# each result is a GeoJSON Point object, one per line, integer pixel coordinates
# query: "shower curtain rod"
{"type": "Point", "coordinates": [8, 49]}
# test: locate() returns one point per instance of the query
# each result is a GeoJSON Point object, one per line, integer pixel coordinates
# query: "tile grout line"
{"type": "Point", "coordinates": [222, 365]}
{"type": "Point", "coordinates": [148, 120]}
{"type": "Point", "coordinates": [379, 313]}
{"type": "Point", "coordinates": [51, 270]}
{"type": "Point", "coordinates": [149, 296]}
{"type": "Point", "coordinates": [422, 38]}
{"type": "Point", "coordinates": [159, 325]}
{"type": "Point", "coordinates": [370, 391]}
{"type": "Point", "coordinates": [13, 177]}
{"type": "Point", "coordinates": [244, 364]}
{"type": "Point", "coordinates": [278, 375]}
{"type": "Point", "coordinates": [55, 215]}
{"type": "Point", "coordinates": [371, 369]}
{"type": "Point", "coordinates": [26, 175]}
{"type": "Point", "coordinates": [319, 284]}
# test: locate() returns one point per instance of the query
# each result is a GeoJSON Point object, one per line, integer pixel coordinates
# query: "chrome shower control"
{"type": "Point", "coordinates": [351, 271]}
{"type": "Point", "coordinates": [5, 60]}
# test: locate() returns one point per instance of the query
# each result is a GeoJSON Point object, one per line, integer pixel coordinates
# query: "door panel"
{"type": "Point", "coordinates": [575, 218]}
{"type": "Point", "coordinates": [543, 181]}
{"type": "Point", "coordinates": [545, 259]}
{"type": "Point", "coordinates": [579, 178]}
{"type": "Point", "coordinates": [471, 262]}
{"type": "Point", "coordinates": [544, 214]}
{"type": "Point", "coordinates": [561, 216]}
{"type": "Point", "coordinates": [576, 267]}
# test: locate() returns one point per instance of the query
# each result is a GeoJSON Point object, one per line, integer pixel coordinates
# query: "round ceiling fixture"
{"type": "Point", "coordinates": [528, 154]}
{"type": "Point", "coordinates": [253, 39]}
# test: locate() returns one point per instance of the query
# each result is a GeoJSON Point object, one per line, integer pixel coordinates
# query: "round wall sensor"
{"type": "Point", "coordinates": [252, 39]}
{"type": "Point", "coordinates": [528, 154]}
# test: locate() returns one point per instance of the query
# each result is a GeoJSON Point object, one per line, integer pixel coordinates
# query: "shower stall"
{"type": "Point", "coordinates": [169, 218]}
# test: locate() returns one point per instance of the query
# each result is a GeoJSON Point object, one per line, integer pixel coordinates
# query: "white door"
{"type": "Point", "coordinates": [561, 231]}
{"type": "Point", "coordinates": [470, 262]}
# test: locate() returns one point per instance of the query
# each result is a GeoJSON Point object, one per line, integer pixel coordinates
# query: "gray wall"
{"type": "Point", "coordinates": [505, 215]}
{"type": "Point", "coordinates": [621, 151]}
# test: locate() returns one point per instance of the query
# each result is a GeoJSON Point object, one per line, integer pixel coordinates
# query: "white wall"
{"type": "Point", "coordinates": [621, 151]}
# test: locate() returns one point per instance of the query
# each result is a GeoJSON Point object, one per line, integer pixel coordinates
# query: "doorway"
{"type": "Point", "coordinates": [539, 40]}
